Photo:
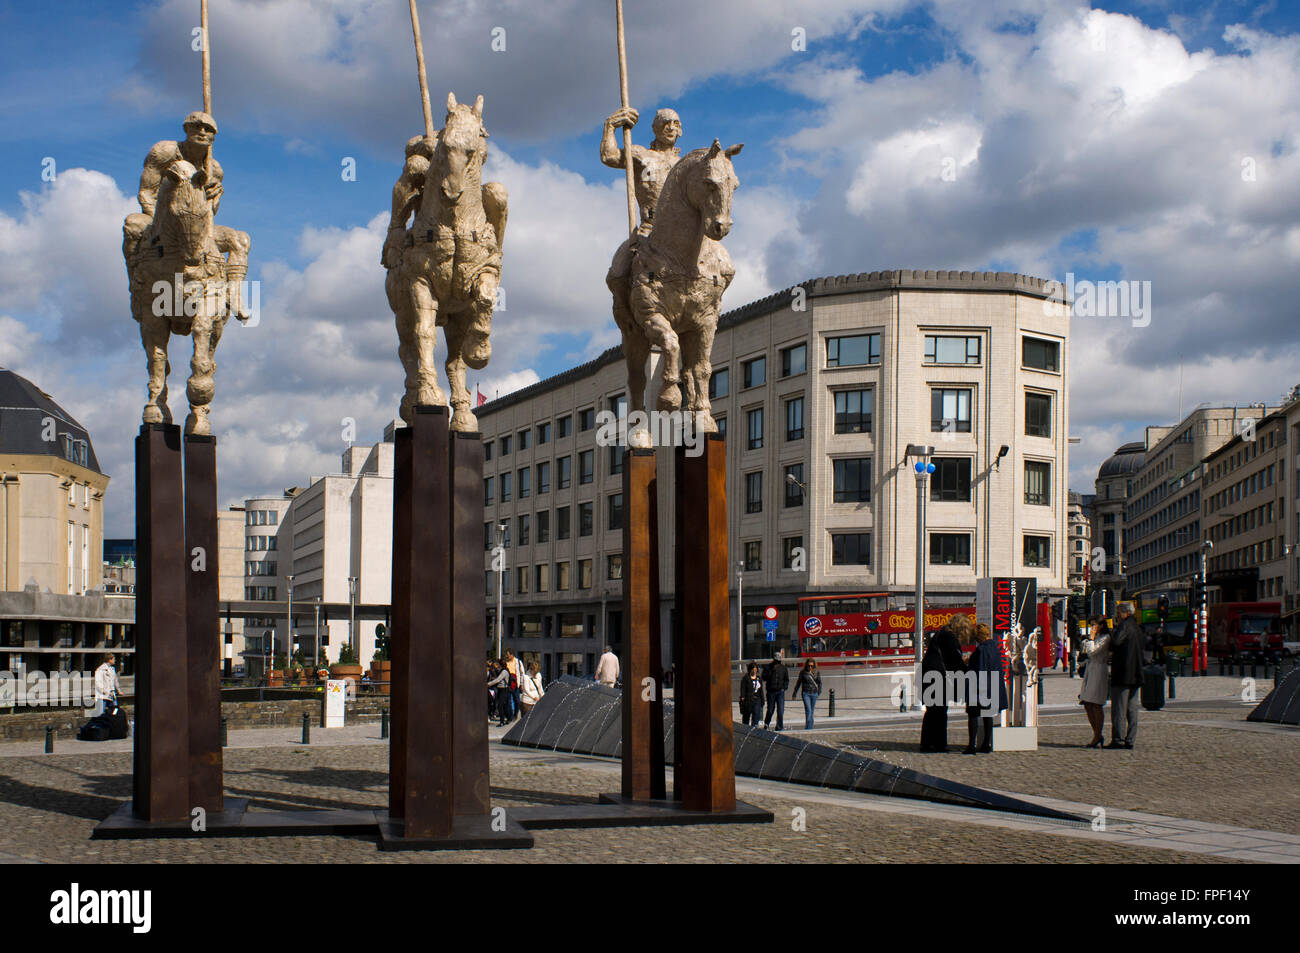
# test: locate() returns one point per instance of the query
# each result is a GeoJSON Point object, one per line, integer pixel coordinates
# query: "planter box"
{"type": "Point", "coordinates": [351, 672]}
{"type": "Point", "coordinates": [381, 677]}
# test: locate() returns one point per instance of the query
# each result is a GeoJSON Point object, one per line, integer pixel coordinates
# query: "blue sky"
{"type": "Point", "coordinates": [1103, 140]}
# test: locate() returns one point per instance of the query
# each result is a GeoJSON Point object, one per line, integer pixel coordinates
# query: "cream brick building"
{"type": "Point", "coordinates": [828, 382]}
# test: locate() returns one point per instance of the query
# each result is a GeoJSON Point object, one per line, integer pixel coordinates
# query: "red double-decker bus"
{"type": "Point", "coordinates": [861, 629]}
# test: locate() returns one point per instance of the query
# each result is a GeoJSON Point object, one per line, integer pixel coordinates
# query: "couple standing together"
{"type": "Point", "coordinates": [943, 656]}
{"type": "Point", "coordinates": [1113, 668]}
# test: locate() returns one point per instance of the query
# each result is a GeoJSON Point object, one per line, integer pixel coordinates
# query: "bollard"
{"type": "Point", "coordinates": [1040, 688]}
{"type": "Point", "coordinates": [1172, 694]}
{"type": "Point", "coordinates": [306, 729]}
{"type": "Point", "coordinates": [831, 712]}
{"type": "Point", "coordinates": [902, 699]}
{"type": "Point", "coordinates": [383, 723]}
{"type": "Point", "coordinates": [225, 735]}
{"type": "Point", "coordinates": [1252, 668]}
{"type": "Point", "coordinates": [49, 739]}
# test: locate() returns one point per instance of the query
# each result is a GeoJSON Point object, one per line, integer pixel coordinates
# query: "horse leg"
{"type": "Point", "coordinates": [478, 345]}
{"type": "Point", "coordinates": [400, 302]}
{"type": "Point", "coordinates": [200, 387]}
{"type": "Point", "coordinates": [636, 351]}
{"type": "Point", "coordinates": [659, 333]}
{"type": "Point", "coordinates": [154, 331]}
{"type": "Point", "coordinates": [700, 370]}
{"type": "Point", "coordinates": [458, 334]}
{"type": "Point", "coordinates": [424, 337]}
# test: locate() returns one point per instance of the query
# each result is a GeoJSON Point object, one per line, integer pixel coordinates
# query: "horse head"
{"type": "Point", "coordinates": [461, 150]}
{"type": "Point", "coordinates": [711, 189]}
{"type": "Point", "coordinates": [183, 217]}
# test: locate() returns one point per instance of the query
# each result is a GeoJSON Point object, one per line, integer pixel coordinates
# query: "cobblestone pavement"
{"type": "Point", "coordinates": [1187, 763]}
{"type": "Point", "coordinates": [50, 803]}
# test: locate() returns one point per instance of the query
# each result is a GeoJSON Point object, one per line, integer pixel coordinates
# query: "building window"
{"type": "Point", "coordinates": [950, 482]}
{"type": "Point", "coordinates": [794, 360]}
{"type": "Point", "coordinates": [950, 410]}
{"type": "Point", "coordinates": [794, 491]}
{"type": "Point", "coordinates": [543, 577]}
{"type": "Point", "coordinates": [487, 450]}
{"type": "Point", "coordinates": [754, 492]}
{"type": "Point", "coordinates": [1038, 483]}
{"type": "Point", "coordinates": [586, 466]}
{"type": "Point", "coordinates": [614, 566]}
{"type": "Point", "coordinates": [618, 405]}
{"type": "Point", "coordinates": [562, 521]}
{"type": "Point", "coordinates": [561, 577]}
{"type": "Point", "coordinates": [504, 446]}
{"type": "Point", "coordinates": [853, 351]}
{"type": "Point", "coordinates": [584, 573]}
{"type": "Point", "coordinates": [505, 533]}
{"type": "Point", "coordinates": [1038, 415]}
{"type": "Point", "coordinates": [585, 519]}
{"type": "Point", "coordinates": [853, 411]}
{"type": "Point", "coordinates": [950, 549]}
{"type": "Point", "coordinates": [719, 383]}
{"type": "Point", "coordinates": [586, 419]}
{"type": "Point", "coordinates": [487, 537]}
{"type": "Point", "coordinates": [617, 454]}
{"type": "Point", "coordinates": [788, 546]}
{"type": "Point", "coordinates": [853, 480]}
{"type": "Point", "coordinates": [754, 421]}
{"type": "Point", "coordinates": [1041, 355]}
{"type": "Point", "coordinates": [525, 483]}
{"type": "Point", "coordinates": [487, 491]}
{"type": "Point", "coordinates": [565, 477]}
{"type": "Point", "coordinates": [505, 487]}
{"type": "Point", "coordinates": [564, 426]}
{"type": "Point", "coordinates": [525, 439]}
{"type": "Point", "coordinates": [944, 349]}
{"type": "Point", "coordinates": [1038, 552]}
{"type": "Point", "coordinates": [615, 513]}
{"type": "Point", "coordinates": [722, 425]}
{"type": "Point", "coordinates": [794, 419]}
{"type": "Point", "coordinates": [543, 526]}
{"type": "Point", "coordinates": [523, 530]}
{"type": "Point", "coordinates": [754, 372]}
{"type": "Point", "coordinates": [544, 478]}
{"type": "Point", "coordinates": [753, 555]}
{"type": "Point", "coordinates": [850, 549]}
{"type": "Point", "coordinates": [522, 576]}
{"type": "Point", "coordinates": [543, 433]}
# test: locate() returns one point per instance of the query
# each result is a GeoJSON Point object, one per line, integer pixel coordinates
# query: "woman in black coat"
{"type": "Point", "coordinates": [942, 656]}
{"type": "Point", "coordinates": [751, 696]}
{"type": "Point", "coordinates": [987, 661]}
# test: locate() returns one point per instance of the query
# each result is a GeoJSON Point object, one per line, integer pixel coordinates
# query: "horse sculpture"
{"type": "Point", "coordinates": [669, 298]}
{"type": "Point", "coordinates": [179, 286]}
{"type": "Point", "coordinates": [448, 267]}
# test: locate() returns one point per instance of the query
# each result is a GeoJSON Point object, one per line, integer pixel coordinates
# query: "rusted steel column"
{"type": "Point", "coordinates": [704, 696]}
{"type": "Point", "coordinates": [643, 733]}
{"type": "Point", "coordinates": [399, 633]}
{"type": "Point", "coordinates": [467, 628]}
{"type": "Point", "coordinates": [202, 609]}
{"type": "Point", "coordinates": [162, 742]}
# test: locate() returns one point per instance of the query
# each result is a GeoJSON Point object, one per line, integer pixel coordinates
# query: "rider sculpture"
{"type": "Point", "coordinates": [445, 269]}
{"type": "Point", "coordinates": [174, 235]}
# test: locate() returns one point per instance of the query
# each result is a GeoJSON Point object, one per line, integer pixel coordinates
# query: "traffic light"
{"type": "Point", "coordinates": [1058, 610]}
{"type": "Point", "coordinates": [1162, 609]}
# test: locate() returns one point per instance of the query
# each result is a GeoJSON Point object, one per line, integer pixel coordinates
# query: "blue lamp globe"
{"type": "Point", "coordinates": [919, 466]}
{"type": "Point", "coordinates": [929, 468]}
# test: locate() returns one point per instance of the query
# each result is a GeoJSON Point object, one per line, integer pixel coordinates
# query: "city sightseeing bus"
{"type": "Point", "coordinates": [861, 630]}
{"type": "Point", "coordinates": [1178, 624]}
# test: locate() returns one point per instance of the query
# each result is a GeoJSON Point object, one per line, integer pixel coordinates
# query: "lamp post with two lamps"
{"type": "Point", "coordinates": [922, 468]}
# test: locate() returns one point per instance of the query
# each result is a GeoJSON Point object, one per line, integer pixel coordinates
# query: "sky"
{"type": "Point", "coordinates": [1139, 141]}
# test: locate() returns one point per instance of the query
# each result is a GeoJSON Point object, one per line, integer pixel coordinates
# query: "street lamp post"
{"type": "Point", "coordinates": [288, 629]}
{"type": "Point", "coordinates": [499, 557]}
{"type": "Point", "coordinates": [1199, 651]}
{"type": "Point", "coordinates": [352, 617]}
{"type": "Point", "coordinates": [740, 608]}
{"type": "Point", "coordinates": [923, 468]}
{"type": "Point", "coordinates": [317, 631]}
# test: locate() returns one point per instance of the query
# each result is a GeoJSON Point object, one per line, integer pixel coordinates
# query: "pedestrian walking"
{"type": "Point", "coordinates": [776, 680]}
{"type": "Point", "coordinates": [751, 696]}
{"type": "Point", "coordinates": [1096, 679]}
{"type": "Point", "coordinates": [808, 684]}
{"type": "Point", "coordinates": [530, 689]}
{"type": "Point", "coordinates": [516, 670]}
{"type": "Point", "coordinates": [1126, 663]}
{"type": "Point", "coordinates": [941, 659]}
{"type": "Point", "coordinates": [986, 662]}
{"type": "Point", "coordinates": [607, 670]}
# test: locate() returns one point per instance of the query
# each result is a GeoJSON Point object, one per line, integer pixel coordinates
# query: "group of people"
{"type": "Point", "coordinates": [769, 686]}
{"type": "Point", "coordinates": [944, 656]}
{"type": "Point", "coordinates": [1112, 667]}
{"type": "Point", "coordinates": [513, 688]}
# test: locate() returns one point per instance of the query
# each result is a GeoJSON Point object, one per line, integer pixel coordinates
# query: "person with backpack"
{"type": "Point", "coordinates": [776, 680]}
{"type": "Point", "coordinates": [530, 689]}
{"type": "Point", "coordinates": [516, 671]}
{"type": "Point", "coordinates": [106, 685]}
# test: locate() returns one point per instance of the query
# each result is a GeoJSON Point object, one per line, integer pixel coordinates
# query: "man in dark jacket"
{"type": "Point", "coordinates": [776, 680]}
{"type": "Point", "coordinates": [1126, 662]}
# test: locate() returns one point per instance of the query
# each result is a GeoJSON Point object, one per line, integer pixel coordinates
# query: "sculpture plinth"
{"type": "Point", "coordinates": [704, 776]}
{"type": "Point", "coordinates": [202, 610]}
{"type": "Point", "coordinates": [643, 717]}
{"type": "Point", "coordinates": [162, 743]}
